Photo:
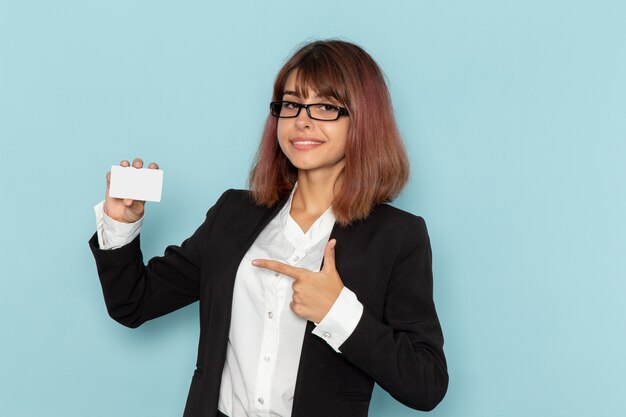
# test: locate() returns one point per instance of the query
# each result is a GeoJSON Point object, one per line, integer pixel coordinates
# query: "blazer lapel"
{"type": "Point", "coordinates": [313, 347]}
{"type": "Point", "coordinates": [242, 236]}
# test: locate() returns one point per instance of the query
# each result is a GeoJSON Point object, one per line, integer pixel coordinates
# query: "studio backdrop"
{"type": "Point", "coordinates": [513, 115]}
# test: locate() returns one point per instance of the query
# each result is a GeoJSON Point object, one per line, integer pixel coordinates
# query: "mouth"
{"type": "Point", "coordinates": [305, 143]}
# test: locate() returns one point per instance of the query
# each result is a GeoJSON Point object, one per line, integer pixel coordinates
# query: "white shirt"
{"type": "Point", "coordinates": [265, 338]}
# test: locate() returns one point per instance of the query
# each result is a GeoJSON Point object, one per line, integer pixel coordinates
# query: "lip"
{"type": "Point", "coordinates": [305, 144]}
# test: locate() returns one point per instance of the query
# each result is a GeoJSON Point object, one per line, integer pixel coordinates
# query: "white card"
{"type": "Point", "coordinates": [138, 184]}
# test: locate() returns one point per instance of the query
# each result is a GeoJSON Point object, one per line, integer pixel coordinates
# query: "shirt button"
{"type": "Point", "coordinates": [266, 358]}
{"type": "Point", "coordinates": [276, 274]}
{"type": "Point", "coordinates": [260, 400]}
{"type": "Point", "coordinates": [327, 335]}
{"type": "Point", "coordinates": [270, 314]}
{"type": "Point", "coordinates": [296, 258]}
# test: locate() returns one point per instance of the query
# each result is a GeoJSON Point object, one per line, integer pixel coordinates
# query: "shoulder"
{"type": "Point", "coordinates": [233, 203]}
{"type": "Point", "coordinates": [233, 198]}
{"type": "Point", "coordinates": [236, 197]}
{"type": "Point", "coordinates": [395, 220]}
{"type": "Point", "coordinates": [409, 234]}
{"type": "Point", "coordinates": [391, 230]}
{"type": "Point", "coordinates": [391, 212]}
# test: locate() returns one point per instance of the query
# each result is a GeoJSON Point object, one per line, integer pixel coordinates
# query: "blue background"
{"type": "Point", "coordinates": [513, 113]}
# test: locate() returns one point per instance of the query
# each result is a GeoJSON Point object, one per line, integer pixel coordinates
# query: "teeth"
{"type": "Point", "coordinates": [307, 142]}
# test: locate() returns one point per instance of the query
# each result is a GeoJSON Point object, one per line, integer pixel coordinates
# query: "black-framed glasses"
{"type": "Point", "coordinates": [317, 111]}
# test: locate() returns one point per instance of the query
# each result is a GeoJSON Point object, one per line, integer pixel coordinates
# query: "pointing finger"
{"type": "Point", "coordinates": [329, 256]}
{"type": "Point", "coordinates": [279, 267]}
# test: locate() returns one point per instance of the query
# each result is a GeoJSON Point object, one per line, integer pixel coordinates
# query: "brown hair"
{"type": "Point", "coordinates": [376, 166]}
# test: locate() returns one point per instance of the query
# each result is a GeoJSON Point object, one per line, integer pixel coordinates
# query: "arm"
{"type": "Point", "coordinates": [403, 352]}
{"type": "Point", "coordinates": [111, 233]}
{"type": "Point", "coordinates": [134, 292]}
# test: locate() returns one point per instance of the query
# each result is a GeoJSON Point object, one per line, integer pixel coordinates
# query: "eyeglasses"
{"type": "Point", "coordinates": [316, 111]}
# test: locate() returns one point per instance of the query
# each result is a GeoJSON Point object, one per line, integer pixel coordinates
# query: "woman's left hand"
{"type": "Point", "coordinates": [314, 293]}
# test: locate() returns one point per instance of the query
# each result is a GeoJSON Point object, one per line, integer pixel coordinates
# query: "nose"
{"type": "Point", "coordinates": [303, 121]}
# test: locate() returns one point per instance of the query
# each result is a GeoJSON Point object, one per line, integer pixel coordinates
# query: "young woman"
{"type": "Point", "coordinates": [310, 287]}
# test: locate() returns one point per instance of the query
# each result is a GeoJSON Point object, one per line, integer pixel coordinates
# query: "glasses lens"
{"type": "Point", "coordinates": [324, 111]}
{"type": "Point", "coordinates": [284, 109]}
{"type": "Point", "coordinates": [289, 109]}
{"type": "Point", "coordinates": [275, 108]}
{"type": "Point", "coordinates": [320, 111]}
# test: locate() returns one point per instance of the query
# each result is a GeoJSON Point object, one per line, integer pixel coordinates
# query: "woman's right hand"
{"type": "Point", "coordinates": [123, 209]}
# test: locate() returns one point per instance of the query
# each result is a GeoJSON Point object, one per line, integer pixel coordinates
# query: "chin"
{"type": "Point", "coordinates": [317, 166]}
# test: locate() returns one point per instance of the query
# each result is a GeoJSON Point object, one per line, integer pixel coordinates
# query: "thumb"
{"type": "Point", "coordinates": [329, 256]}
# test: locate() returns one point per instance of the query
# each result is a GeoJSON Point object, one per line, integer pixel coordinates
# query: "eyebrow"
{"type": "Point", "coordinates": [295, 94]}
{"type": "Point", "coordinates": [291, 93]}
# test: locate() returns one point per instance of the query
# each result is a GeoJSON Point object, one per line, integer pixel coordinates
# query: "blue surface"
{"type": "Point", "coordinates": [514, 117]}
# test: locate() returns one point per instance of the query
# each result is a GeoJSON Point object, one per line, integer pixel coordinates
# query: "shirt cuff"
{"type": "Point", "coordinates": [341, 319]}
{"type": "Point", "coordinates": [111, 233]}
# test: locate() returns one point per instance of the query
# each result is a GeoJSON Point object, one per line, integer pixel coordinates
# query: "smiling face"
{"type": "Point", "coordinates": [312, 145]}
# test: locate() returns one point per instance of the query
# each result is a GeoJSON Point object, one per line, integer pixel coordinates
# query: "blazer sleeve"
{"type": "Point", "coordinates": [134, 292]}
{"type": "Point", "coordinates": [403, 351]}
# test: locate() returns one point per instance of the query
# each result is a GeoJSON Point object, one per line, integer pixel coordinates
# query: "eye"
{"type": "Point", "coordinates": [326, 108]}
{"type": "Point", "coordinates": [290, 105]}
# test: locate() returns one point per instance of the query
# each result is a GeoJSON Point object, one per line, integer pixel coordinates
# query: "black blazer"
{"type": "Point", "coordinates": [385, 260]}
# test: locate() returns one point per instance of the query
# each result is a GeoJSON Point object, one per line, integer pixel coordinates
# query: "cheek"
{"type": "Point", "coordinates": [281, 134]}
{"type": "Point", "coordinates": [339, 135]}
{"type": "Point", "coordinates": [281, 130]}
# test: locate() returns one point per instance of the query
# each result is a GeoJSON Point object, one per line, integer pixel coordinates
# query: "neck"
{"type": "Point", "coordinates": [315, 192]}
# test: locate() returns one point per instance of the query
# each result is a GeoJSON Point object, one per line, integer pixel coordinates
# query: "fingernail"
{"type": "Point", "coordinates": [333, 243]}
{"type": "Point", "coordinates": [255, 262]}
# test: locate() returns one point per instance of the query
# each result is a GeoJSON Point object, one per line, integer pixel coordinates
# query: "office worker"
{"type": "Point", "coordinates": [311, 287]}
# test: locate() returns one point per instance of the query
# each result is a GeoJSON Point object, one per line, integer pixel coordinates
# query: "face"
{"type": "Point", "coordinates": [312, 145]}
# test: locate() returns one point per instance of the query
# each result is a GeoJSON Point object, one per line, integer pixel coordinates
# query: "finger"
{"type": "Point", "coordinates": [292, 307]}
{"type": "Point", "coordinates": [124, 163]}
{"type": "Point", "coordinates": [279, 267]}
{"type": "Point", "coordinates": [153, 165]}
{"type": "Point", "coordinates": [108, 187]}
{"type": "Point", "coordinates": [296, 309]}
{"type": "Point", "coordinates": [329, 256]}
{"type": "Point", "coordinates": [137, 163]}
{"type": "Point", "coordinates": [137, 207]}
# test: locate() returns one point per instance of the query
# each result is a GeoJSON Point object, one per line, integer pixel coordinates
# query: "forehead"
{"type": "Point", "coordinates": [311, 81]}
{"type": "Point", "coordinates": [299, 86]}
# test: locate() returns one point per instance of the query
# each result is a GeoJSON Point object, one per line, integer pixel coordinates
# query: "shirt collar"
{"type": "Point", "coordinates": [319, 230]}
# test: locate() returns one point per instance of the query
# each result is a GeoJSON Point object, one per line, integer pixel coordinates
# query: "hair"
{"type": "Point", "coordinates": [376, 164]}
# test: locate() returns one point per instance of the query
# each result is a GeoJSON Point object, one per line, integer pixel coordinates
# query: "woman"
{"type": "Point", "coordinates": [279, 334]}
